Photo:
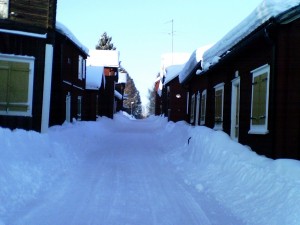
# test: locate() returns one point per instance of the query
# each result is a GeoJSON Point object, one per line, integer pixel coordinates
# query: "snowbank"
{"type": "Point", "coordinates": [255, 189]}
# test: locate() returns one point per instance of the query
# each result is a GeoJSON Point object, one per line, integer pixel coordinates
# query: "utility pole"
{"type": "Point", "coordinates": [172, 36]}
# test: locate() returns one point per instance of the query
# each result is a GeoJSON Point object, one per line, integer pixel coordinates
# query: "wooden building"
{"type": "Point", "coordinates": [109, 60]}
{"type": "Point", "coordinates": [249, 84]}
{"type": "Point", "coordinates": [95, 84]}
{"type": "Point", "coordinates": [27, 31]}
{"type": "Point", "coordinates": [119, 91]}
{"type": "Point", "coordinates": [69, 78]}
{"type": "Point", "coordinates": [174, 96]}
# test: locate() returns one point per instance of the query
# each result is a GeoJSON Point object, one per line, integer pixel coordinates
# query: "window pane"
{"type": "Point", "coordinates": [218, 105]}
{"type": "Point", "coordinates": [263, 98]}
{"type": "Point", "coordinates": [255, 103]}
{"type": "Point", "coordinates": [203, 104]}
{"type": "Point", "coordinates": [259, 99]}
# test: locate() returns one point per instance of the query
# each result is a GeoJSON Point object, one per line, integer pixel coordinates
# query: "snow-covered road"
{"type": "Point", "coordinates": [126, 180]}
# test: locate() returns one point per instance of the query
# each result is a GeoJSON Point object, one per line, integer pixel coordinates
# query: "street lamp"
{"type": "Point", "coordinates": [131, 107]}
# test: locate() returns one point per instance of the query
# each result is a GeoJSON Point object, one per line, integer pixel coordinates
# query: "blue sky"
{"type": "Point", "coordinates": [141, 29]}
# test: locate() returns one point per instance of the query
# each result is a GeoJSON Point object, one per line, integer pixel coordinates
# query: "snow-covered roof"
{"type": "Point", "coordinates": [176, 58]}
{"type": "Point", "coordinates": [106, 58]}
{"type": "Point", "coordinates": [65, 31]}
{"type": "Point", "coordinates": [172, 72]}
{"type": "Point", "coordinates": [122, 78]}
{"type": "Point", "coordinates": [265, 11]}
{"type": "Point", "coordinates": [94, 76]}
{"type": "Point", "coordinates": [193, 61]}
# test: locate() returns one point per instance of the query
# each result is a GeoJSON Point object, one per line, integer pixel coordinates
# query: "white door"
{"type": "Point", "coordinates": [68, 107]}
{"type": "Point", "coordinates": [235, 109]}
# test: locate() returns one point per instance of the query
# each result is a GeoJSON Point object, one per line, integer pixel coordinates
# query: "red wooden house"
{"type": "Point", "coordinates": [109, 59]}
{"type": "Point", "coordinates": [95, 83]}
{"type": "Point", "coordinates": [27, 31]}
{"type": "Point", "coordinates": [69, 78]}
{"type": "Point", "coordinates": [174, 95]}
{"type": "Point", "coordinates": [249, 84]}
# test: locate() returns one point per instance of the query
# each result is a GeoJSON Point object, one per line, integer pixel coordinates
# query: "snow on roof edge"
{"type": "Point", "coordinates": [261, 14]}
{"type": "Point", "coordinates": [62, 29]}
{"type": "Point", "coordinates": [172, 72]}
{"type": "Point", "coordinates": [195, 58]}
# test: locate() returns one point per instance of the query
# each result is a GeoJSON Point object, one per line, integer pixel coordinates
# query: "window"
{"type": "Point", "coordinates": [260, 100]}
{"type": "Point", "coordinates": [81, 67]}
{"type": "Point", "coordinates": [203, 107]}
{"type": "Point", "coordinates": [79, 107]}
{"type": "Point", "coordinates": [4, 9]}
{"type": "Point", "coordinates": [16, 85]}
{"type": "Point", "coordinates": [219, 103]}
{"type": "Point", "coordinates": [197, 109]}
{"type": "Point", "coordinates": [187, 102]}
{"type": "Point", "coordinates": [192, 113]}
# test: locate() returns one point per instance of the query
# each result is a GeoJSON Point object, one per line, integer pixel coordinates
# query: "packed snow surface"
{"type": "Point", "coordinates": [151, 171]}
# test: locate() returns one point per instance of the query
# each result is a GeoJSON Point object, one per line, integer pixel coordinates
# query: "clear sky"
{"type": "Point", "coordinates": [141, 30]}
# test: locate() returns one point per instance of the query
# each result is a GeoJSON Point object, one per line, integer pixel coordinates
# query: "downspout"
{"type": "Point", "coordinates": [47, 88]}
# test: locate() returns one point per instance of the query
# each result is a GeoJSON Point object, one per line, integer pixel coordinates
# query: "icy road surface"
{"type": "Point", "coordinates": [125, 181]}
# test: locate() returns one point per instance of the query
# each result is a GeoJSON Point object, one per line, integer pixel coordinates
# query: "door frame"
{"type": "Point", "coordinates": [235, 95]}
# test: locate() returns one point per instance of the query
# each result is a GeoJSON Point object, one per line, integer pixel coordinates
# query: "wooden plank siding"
{"type": "Point", "coordinates": [287, 95]}
{"type": "Point", "coordinates": [65, 80]}
{"type": "Point", "coordinates": [276, 47]}
{"type": "Point", "coordinates": [39, 13]}
{"type": "Point", "coordinates": [26, 46]}
{"type": "Point", "coordinates": [175, 99]}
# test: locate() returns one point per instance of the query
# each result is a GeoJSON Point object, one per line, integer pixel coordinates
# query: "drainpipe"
{"type": "Point", "coordinates": [47, 88]}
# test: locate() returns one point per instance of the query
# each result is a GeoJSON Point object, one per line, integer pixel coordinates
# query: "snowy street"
{"type": "Point", "coordinates": [122, 171]}
{"type": "Point", "coordinates": [124, 181]}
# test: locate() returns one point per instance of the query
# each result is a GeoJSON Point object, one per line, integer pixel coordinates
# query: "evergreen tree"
{"type": "Point", "coordinates": [105, 43]}
{"type": "Point", "coordinates": [132, 99]}
{"type": "Point", "coordinates": [151, 97]}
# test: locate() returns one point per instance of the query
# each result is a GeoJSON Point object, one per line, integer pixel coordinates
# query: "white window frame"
{"type": "Point", "coordinates": [187, 102]}
{"type": "Point", "coordinates": [68, 107]}
{"type": "Point", "coordinates": [4, 6]}
{"type": "Point", "coordinates": [260, 129]}
{"type": "Point", "coordinates": [202, 116]}
{"type": "Point", "coordinates": [219, 126]}
{"type": "Point", "coordinates": [80, 67]}
{"type": "Point", "coordinates": [83, 68]}
{"type": "Point", "coordinates": [22, 59]}
{"type": "Point", "coordinates": [234, 104]}
{"type": "Point", "coordinates": [79, 107]}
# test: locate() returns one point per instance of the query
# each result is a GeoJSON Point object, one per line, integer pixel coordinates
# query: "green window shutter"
{"type": "Point", "coordinates": [4, 75]}
{"type": "Point", "coordinates": [259, 99]}
{"type": "Point", "coordinates": [18, 87]}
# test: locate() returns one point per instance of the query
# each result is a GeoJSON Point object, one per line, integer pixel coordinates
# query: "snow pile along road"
{"type": "Point", "coordinates": [149, 171]}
